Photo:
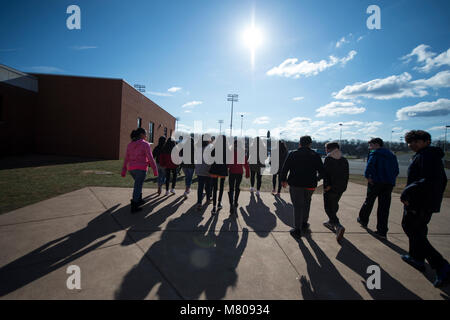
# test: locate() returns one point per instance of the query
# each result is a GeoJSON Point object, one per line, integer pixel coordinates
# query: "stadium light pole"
{"type": "Point", "coordinates": [220, 126]}
{"type": "Point", "coordinates": [177, 119]}
{"type": "Point", "coordinates": [140, 88]}
{"type": "Point", "coordinates": [340, 135]}
{"type": "Point", "coordinates": [242, 120]}
{"type": "Point", "coordinates": [233, 98]}
{"type": "Point", "coordinates": [445, 139]}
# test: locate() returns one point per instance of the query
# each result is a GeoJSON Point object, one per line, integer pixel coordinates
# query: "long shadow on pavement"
{"type": "Point", "coordinates": [284, 211]}
{"type": "Point", "coordinates": [429, 274]}
{"type": "Point", "coordinates": [258, 216]}
{"type": "Point", "coordinates": [62, 251]}
{"type": "Point", "coordinates": [192, 262]}
{"type": "Point", "coordinates": [325, 280]}
{"type": "Point", "coordinates": [391, 289]}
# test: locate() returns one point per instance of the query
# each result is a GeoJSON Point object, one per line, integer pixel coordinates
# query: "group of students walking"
{"type": "Point", "coordinates": [301, 170]}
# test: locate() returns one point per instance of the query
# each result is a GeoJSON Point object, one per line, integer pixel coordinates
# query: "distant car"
{"type": "Point", "coordinates": [321, 152]}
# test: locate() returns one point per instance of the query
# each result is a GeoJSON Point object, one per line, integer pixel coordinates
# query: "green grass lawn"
{"type": "Point", "coordinates": [24, 186]}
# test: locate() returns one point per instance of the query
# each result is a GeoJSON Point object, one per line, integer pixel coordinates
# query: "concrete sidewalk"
{"type": "Point", "coordinates": [172, 251]}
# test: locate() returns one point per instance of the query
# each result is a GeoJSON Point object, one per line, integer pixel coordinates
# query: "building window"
{"type": "Point", "coordinates": [2, 118]}
{"type": "Point", "coordinates": [151, 129]}
{"type": "Point", "coordinates": [139, 122]}
{"type": "Point", "coordinates": [165, 132]}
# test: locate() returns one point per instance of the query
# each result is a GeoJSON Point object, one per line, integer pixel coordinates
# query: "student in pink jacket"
{"type": "Point", "coordinates": [139, 156]}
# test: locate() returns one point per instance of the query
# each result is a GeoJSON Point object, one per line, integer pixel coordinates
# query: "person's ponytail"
{"type": "Point", "coordinates": [134, 135]}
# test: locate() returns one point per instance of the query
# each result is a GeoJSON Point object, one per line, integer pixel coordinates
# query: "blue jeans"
{"type": "Point", "coordinates": [161, 175]}
{"type": "Point", "coordinates": [189, 173]}
{"type": "Point", "coordinates": [203, 182]}
{"type": "Point", "coordinates": [139, 177]}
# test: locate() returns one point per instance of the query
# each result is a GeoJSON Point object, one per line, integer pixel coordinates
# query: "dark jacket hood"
{"type": "Point", "coordinates": [434, 151]}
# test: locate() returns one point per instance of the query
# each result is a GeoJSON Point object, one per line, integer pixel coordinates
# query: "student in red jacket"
{"type": "Point", "coordinates": [236, 171]}
{"type": "Point", "coordinates": [168, 165]}
{"type": "Point", "coordinates": [138, 157]}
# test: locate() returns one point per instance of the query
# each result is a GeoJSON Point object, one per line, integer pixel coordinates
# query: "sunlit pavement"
{"type": "Point", "coordinates": [170, 250]}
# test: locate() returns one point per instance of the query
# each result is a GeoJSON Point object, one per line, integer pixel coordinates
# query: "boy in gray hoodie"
{"type": "Point", "coordinates": [335, 180]}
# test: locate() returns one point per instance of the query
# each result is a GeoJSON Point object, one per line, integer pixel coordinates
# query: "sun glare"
{"type": "Point", "coordinates": [252, 37]}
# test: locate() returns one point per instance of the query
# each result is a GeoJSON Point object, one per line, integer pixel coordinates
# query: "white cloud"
{"type": "Point", "coordinates": [439, 80]}
{"type": "Point", "coordinates": [83, 47]}
{"type": "Point", "coordinates": [322, 130]}
{"type": "Point", "coordinates": [396, 86]}
{"type": "Point", "coordinates": [341, 42]}
{"type": "Point", "coordinates": [428, 59]}
{"type": "Point", "coordinates": [336, 108]}
{"type": "Point", "coordinates": [298, 98]}
{"type": "Point", "coordinates": [436, 128]}
{"type": "Point", "coordinates": [261, 120]}
{"type": "Point", "coordinates": [291, 68]}
{"type": "Point", "coordinates": [174, 89]}
{"type": "Point", "coordinates": [46, 69]}
{"type": "Point", "coordinates": [440, 107]}
{"type": "Point", "coordinates": [159, 94]}
{"type": "Point", "coordinates": [191, 104]}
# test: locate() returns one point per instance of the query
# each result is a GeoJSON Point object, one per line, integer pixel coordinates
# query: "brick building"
{"type": "Point", "coordinates": [74, 116]}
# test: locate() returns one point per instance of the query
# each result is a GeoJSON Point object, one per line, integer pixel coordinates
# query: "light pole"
{"type": "Point", "coordinates": [232, 98]}
{"type": "Point", "coordinates": [242, 119]}
{"type": "Point", "coordinates": [390, 141]}
{"type": "Point", "coordinates": [445, 140]}
{"type": "Point", "coordinates": [220, 126]}
{"type": "Point", "coordinates": [340, 135]}
{"type": "Point", "coordinates": [177, 119]}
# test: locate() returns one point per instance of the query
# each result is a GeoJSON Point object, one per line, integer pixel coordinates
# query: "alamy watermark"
{"type": "Point", "coordinates": [74, 20]}
{"type": "Point", "coordinates": [74, 280]}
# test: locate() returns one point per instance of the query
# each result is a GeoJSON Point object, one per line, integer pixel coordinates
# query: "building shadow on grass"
{"type": "Point", "coordinates": [39, 160]}
{"type": "Point", "coordinates": [62, 251]}
{"type": "Point", "coordinates": [192, 263]}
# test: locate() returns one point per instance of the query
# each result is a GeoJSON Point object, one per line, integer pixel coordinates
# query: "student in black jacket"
{"type": "Point", "coordinates": [218, 171]}
{"type": "Point", "coordinates": [422, 197]}
{"type": "Point", "coordinates": [335, 180]}
{"type": "Point", "coordinates": [305, 168]}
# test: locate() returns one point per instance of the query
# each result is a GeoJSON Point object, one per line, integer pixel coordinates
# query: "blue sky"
{"type": "Point", "coordinates": [319, 52]}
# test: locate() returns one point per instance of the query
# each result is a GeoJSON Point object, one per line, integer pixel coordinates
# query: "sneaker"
{"type": "Point", "coordinates": [330, 226]}
{"type": "Point", "coordinates": [159, 191]}
{"type": "Point", "coordinates": [278, 194]}
{"type": "Point", "coordinates": [364, 225]}
{"type": "Point", "coordinates": [257, 193]}
{"type": "Point", "coordinates": [213, 211]}
{"type": "Point", "coordinates": [339, 233]}
{"type": "Point", "coordinates": [414, 263]}
{"type": "Point", "coordinates": [219, 206]}
{"type": "Point", "coordinates": [295, 233]}
{"type": "Point", "coordinates": [188, 190]}
{"type": "Point", "coordinates": [167, 192]}
{"type": "Point", "coordinates": [380, 235]}
{"type": "Point", "coordinates": [185, 194]}
{"type": "Point", "coordinates": [252, 189]}
{"type": "Point", "coordinates": [274, 192]}
{"type": "Point", "coordinates": [199, 206]}
{"type": "Point", "coordinates": [442, 277]}
{"type": "Point", "coordinates": [172, 191]}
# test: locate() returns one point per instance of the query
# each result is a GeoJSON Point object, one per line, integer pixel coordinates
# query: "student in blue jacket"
{"type": "Point", "coordinates": [381, 173]}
